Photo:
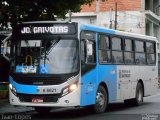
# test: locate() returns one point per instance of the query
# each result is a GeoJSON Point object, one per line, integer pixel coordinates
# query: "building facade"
{"type": "Point", "coordinates": [137, 16]}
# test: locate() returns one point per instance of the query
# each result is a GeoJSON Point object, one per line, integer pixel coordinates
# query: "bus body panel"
{"type": "Point", "coordinates": [123, 81]}
{"type": "Point", "coordinates": [102, 73]}
{"type": "Point", "coordinates": [108, 74]}
{"type": "Point", "coordinates": [66, 100]}
{"type": "Point", "coordinates": [128, 77]}
{"type": "Point", "coordinates": [88, 88]}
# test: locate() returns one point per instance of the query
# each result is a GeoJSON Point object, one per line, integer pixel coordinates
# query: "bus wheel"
{"type": "Point", "coordinates": [139, 95]}
{"type": "Point", "coordinates": [43, 110]}
{"type": "Point", "coordinates": [101, 100]}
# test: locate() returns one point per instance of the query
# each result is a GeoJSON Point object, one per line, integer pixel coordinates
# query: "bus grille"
{"type": "Point", "coordinates": [46, 98]}
{"type": "Point", "coordinates": [41, 79]}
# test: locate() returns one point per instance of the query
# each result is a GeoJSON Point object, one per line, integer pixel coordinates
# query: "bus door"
{"type": "Point", "coordinates": [88, 68]}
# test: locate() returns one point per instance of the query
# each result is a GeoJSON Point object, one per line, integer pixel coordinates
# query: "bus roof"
{"type": "Point", "coordinates": [116, 32]}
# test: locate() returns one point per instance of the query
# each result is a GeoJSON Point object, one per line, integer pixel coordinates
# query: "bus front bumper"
{"type": "Point", "coordinates": [69, 100]}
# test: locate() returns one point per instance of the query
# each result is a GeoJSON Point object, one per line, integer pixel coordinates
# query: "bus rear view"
{"type": "Point", "coordinates": [45, 65]}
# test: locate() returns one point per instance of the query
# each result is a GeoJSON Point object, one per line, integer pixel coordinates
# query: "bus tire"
{"type": "Point", "coordinates": [101, 100]}
{"type": "Point", "coordinates": [43, 110]}
{"type": "Point", "coordinates": [139, 95]}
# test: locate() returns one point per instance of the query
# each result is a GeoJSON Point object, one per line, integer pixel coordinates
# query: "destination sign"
{"type": "Point", "coordinates": [48, 29]}
{"type": "Point", "coordinates": [42, 30]}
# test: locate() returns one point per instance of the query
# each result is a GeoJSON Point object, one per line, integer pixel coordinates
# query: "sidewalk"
{"type": "Point", "coordinates": [6, 108]}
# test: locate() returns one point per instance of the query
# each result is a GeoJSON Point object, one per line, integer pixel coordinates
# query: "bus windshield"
{"type": "Point", "coordinates": [57, 56]}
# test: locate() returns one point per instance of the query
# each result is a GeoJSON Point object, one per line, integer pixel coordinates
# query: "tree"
{"type": "Point", "coordinates": [15, 11]}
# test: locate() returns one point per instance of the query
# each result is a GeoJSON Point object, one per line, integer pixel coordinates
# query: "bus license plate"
{"type": "Point", "coordinates": [37, 100]}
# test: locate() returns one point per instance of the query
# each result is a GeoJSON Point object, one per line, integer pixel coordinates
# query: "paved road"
{"type": "Point", "coordinates": [150, 110]}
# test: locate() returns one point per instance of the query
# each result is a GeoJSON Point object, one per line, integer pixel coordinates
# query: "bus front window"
{"type": "Point", "coordinates": [59, 56]}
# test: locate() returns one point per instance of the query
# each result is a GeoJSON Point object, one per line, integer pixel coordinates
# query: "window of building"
{"type": "Point", "coordinates": [92, 20]}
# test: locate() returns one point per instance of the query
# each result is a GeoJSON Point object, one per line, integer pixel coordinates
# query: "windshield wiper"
{"type": "Point", "coordinates": [51, 47]}
{"type": "Point", "coordinates": [28, 46]}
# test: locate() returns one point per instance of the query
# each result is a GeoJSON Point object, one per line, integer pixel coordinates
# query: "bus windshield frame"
{"type": "Point", "coordinates": [45, 42]}
{"type": "Point", "coordinates": [57, 56]}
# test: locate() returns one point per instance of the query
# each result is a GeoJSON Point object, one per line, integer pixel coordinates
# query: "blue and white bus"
{"type": "Point", "coordinates": [63, 64]}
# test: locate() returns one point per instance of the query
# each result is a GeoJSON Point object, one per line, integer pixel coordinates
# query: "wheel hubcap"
{"type": "Point", "coordinates": [100, 99]}
{"type": "Point", "coordinates": [140, 96]}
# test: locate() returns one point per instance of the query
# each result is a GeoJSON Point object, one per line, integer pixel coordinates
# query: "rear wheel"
{"type": "Point", "coordinates": [101, 100]}
{"type": "Point", "coordinates": [43, 110]}
{"type": "Point", "coordinates": [139, 95]}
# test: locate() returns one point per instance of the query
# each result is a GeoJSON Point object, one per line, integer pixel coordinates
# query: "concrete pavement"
{"type": "Point", "coordinates": [6, 108]}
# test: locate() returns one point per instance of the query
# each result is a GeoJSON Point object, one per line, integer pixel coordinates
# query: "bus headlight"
{"type": "Point", "coordinates": [10, 86]}
{"type": "Point", "coordinates": [13, 89]}
{"type": "Point", "coordinates": [69, 89]}
{"type": "Point", "coordinates": [72, 87]}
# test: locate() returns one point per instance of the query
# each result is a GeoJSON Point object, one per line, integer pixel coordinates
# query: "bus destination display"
{"type": "Point", "coordinates": [52, 29]}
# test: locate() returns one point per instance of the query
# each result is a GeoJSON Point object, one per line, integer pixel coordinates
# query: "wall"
{"type": "Point", "coordinates": [123, 5]}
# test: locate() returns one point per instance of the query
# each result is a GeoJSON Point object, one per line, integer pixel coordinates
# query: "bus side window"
{"type": "Point", "coordinates": [104, 49]}
{"type": "Point", "coordinates": [83, 55]}
{"type": "Point", "coordinates": [88, 52]}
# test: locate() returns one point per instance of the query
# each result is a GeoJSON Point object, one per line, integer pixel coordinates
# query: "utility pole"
{"type": "Point", "coordinates": [70, 15]}
{"type": "Point", "coordinates": [110, 10]}
{"type": "Point", "coordinates": [115, 22]}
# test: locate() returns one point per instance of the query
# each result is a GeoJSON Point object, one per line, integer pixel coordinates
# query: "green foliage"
{"type": "Point", "coordinates": [15, 11]}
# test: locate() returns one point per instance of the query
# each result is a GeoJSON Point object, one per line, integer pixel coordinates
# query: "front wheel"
{"type": "Point", "coordinates": [139, 95]}
{"type": "Point", "coordinates": [101, 100]}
